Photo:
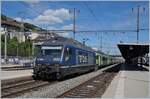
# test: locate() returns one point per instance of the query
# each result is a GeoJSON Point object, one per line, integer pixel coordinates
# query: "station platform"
{"type": "Point", "coordinates": [10, 65]}
{"type": "Point", "coordinates": [131, 82]}
{"type": "Point", "coordinates": [21, 66]}
{"type": "Point", "coordinates": [5, 75]}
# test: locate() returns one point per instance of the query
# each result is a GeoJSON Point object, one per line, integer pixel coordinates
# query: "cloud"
{"type": "Point", "coordinates": [44, 21]}
{"type": "Point", "coordinates": [51, 28]}
{"type": "Point", "coordinates": [24, 20]}
{"type": "Point", "coordinates": [47, 19]}
{"type": "Point", "coordinates": [32, 1]}
{"type": "Point", "coordinates": [68, 27]}
{"type": "Point", "coordinates": [61, 13]}
{"type": "Point", "coordinates": [18, 19]}
{"type": "Point", "coordinates": [50, 16]}
{"type": "Point", "coordinates": [28, 21]}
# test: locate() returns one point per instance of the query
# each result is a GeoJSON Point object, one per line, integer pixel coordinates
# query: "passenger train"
{"type": "Point", "coordinates": [59, 57]}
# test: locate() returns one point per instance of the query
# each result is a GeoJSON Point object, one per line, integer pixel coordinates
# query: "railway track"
{"type": "Point", "coordinates": [20, 86]}
{"type": "Point", "coordinates": [94, 87]}
{"type": "Point", "coordinates": [17, 87]}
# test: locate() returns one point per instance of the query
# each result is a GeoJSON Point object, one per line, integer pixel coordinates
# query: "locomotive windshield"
{"type": "Point", "coordinates": [54, 52]}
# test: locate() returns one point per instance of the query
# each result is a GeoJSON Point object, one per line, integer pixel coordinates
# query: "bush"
{"type": "Point", "coordinates": [24, 48]}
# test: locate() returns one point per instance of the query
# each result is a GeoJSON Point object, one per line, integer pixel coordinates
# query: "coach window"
{"type": "Point", "coordinates": [68, 53]}
{"type": "Point", "coordinates": [97, 56]}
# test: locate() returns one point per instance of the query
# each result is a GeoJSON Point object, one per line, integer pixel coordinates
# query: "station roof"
{"type": "Point", "coordinates": [130, 51]}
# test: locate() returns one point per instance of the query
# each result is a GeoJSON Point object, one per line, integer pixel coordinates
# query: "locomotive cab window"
{"type": "Point", "coordinates": [54, 52]}
{"type": "Point", "coordinates": [37, 51]}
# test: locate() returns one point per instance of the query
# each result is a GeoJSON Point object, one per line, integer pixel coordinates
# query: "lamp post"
{"type": "Point", "coordinates": [5, 57]}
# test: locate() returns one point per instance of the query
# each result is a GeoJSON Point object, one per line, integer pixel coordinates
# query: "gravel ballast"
{"type": "Point", "coordinates": [58, 88]}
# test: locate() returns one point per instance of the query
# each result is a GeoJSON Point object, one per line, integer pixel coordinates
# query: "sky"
{"type": "Point", "coordinates": [90, 16]}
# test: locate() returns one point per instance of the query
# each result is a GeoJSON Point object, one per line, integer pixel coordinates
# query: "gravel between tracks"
{"type": "Point", "coordinates": [56, 89]}
{"type": "Point", "coordinates": [94, 87]}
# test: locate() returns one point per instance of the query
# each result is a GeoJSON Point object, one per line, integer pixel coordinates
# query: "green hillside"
{"type": "Point", "coordinates": [27, 26]}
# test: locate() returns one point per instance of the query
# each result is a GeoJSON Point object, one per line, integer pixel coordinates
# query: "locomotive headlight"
{"type": "Point", "coordinates": [40, 59]}
{"type": "Point", "coordinates": [56, 64]}
{"type": "Point", "coordinates": [56, 59]}
{"type": "Point", "coordinates": [38, 64]}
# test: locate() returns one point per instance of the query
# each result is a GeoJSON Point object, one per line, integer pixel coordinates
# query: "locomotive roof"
{"type": "Point", "coordinates": [66, 41]}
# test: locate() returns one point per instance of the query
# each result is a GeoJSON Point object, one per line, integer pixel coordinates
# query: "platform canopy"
{"type": "Point", "coordinates": [130, 51]}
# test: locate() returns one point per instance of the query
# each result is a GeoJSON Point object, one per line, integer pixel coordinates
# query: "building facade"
{"type": "Point", "coordinates": [12, 29]}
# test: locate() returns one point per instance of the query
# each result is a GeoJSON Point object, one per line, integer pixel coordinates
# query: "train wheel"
{"type": "Point", "coordinates": [96, 68]}
{"type": "Point", "coordinates": [35, 77]}
{"type": "Point", "coordinates": [58, 76]}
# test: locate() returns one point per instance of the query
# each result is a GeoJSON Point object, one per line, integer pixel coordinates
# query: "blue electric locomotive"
{"type": "Point", "coordinates": [60, 56]}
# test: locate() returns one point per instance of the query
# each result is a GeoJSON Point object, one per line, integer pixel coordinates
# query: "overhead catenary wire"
{"type": "Point", "coordinates": [86, 31]}
{"type": "Point", "coordinates": [97, 21]}
{"type": "Point", "coordinates": [82, 31]}
{"type": "Point", "coordinates": [92, 12]}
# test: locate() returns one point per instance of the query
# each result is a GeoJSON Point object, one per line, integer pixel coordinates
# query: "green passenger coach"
{"type": "Point", "coordinates": [104, 60]}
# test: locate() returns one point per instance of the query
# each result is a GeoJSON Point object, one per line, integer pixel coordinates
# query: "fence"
{"type": "Point", "coordinates": [12, 60]}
